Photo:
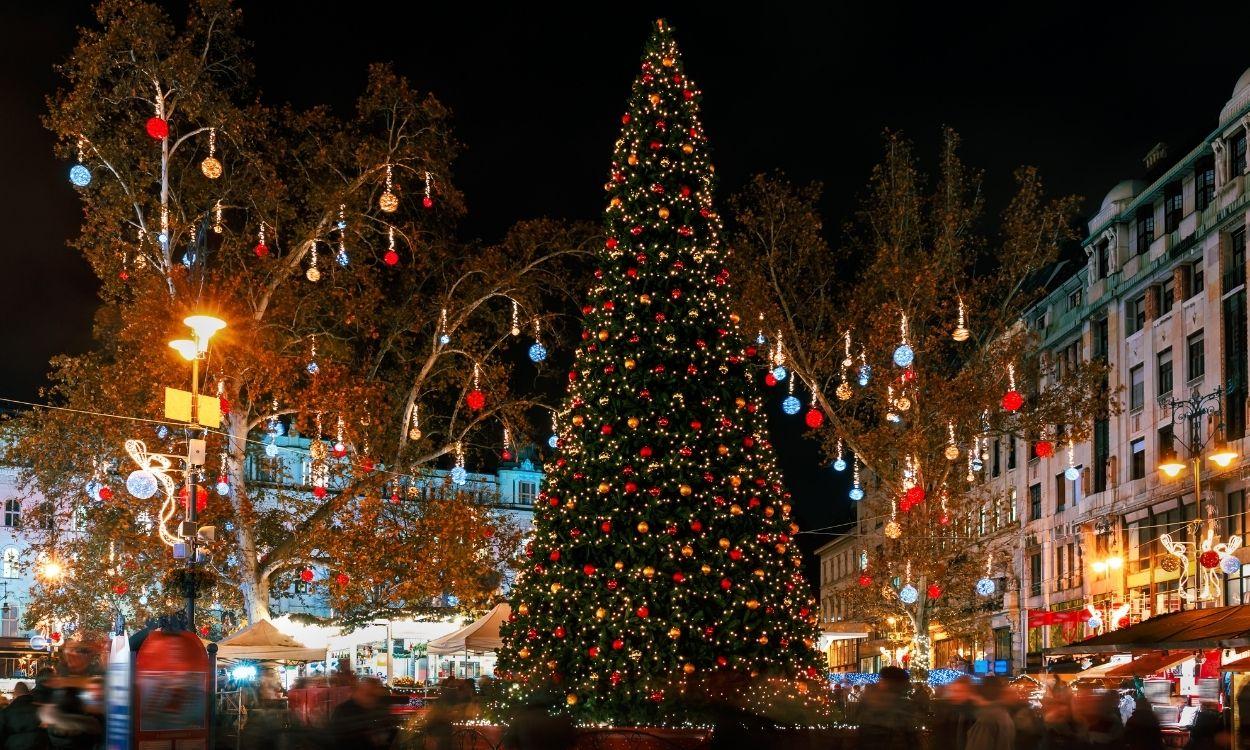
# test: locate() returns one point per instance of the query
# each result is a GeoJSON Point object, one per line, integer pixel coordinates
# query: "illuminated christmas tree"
{"type": "Point", "coordinates": [662, 563]}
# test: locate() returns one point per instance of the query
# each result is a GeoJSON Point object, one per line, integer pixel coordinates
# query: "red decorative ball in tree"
{"type": "Point", "coordinates": [427, 202]}
{"type": "Point", "coordinates": [390, 257]}
{"type": "Point", "coordinates": [1209, 559]}
{"type": "Point", "coordinates": [934, 591]}
{"type": "Point", "coordinates": [319, 491]}
{"type": "Point", "coordinates": [339, 450]}
{"type": "Point", "coordinates": [770, 380]}
{"type": "Point", "coordinates": [814, 418]}
{"type": "Point", "coordinates": [366, 464]}
{"type": "Point", "coordinates": [1044, 449]}
{"type": "Point", "coordinates": [261, 250]}
{"type": "Point", "coordinates": [914, 496]}
{"type": "Point", "coordinates": [643, 611]}
{"type": "Point", "coordinates": [1012, 400]}
{"type": "Point", "coordinates": [157, 127]}
{"type": "Point", "coordinates": [342, 579]}
{"type": "Point", "coordinates": [105, 493]}
{"type": "Point", "coordinates": [865, 580]}
{"type": "Point", "coordinates": [475, 400]}
{"type": "Point", "coordinates": [120, 589]}
{"type": "Point", "coordinates": [306, 575]}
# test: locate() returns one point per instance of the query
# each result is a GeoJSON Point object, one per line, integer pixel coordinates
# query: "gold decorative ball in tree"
{"type": "Point", "coordinates": [618, 565]}
{"type": "Point", "coordinates": [312, 274]}
{"type": "Point", "coordinates": [735, 510]}
{"type": "Point", "coordinates": [524, 653]}
{"type": "Point", "coordinates": [705, 568]}
{"type": "Point", "coordinates": [632, 159]}
{"type": "Point", "coordinates": [663, 212]}
{"type": "Point", "coordinates": [951, 452]}
{"type": "Point", "coordinates": [648, 571]}
{"type": "Point", "coordinates": [687, 551]}
{"type": "Point", "coordinates": [211, 168]}
{"type": "Point", "coordinates": [643, 527]}
{"type": "Point", "coordinates": [893, 530]}
{"type": "Point", "coordinates": [685, 490]}
{"type": "Point", "coordinates": [523, 608]}
{"type": "Point", "coordinates": [687, 148]}
{"type": "Point", "coordinates": [414, 433]}
{"type": "Point", "coordinates": [604, 488]}
{"type": "Point", "coordinates": [630, 364]}
{"type": "Point", "coordinates": [388, 202]}
{"type": "Point", "coordinates": [844, 391]}
{"type": "Point", "coordinates": [601, 613]}
{"type": "Point", "coordinates": [688, 668]}
{"type": "Point", "coordinates": [674, 632]}
{"type": "Point", "coordinates": [632, 422]}
{"type": "Point", "coordinates": [723, 542]}
{"type": "Point", "coordinates": [571, 698]}
{"type": "Point", "coordinates": [603, 334]}
{"type": "Point", "coordinates": [654, 99]}
{"type": "Point", "coordinates": [752, 604]}
{"type": "Point", "coordinates": [555, 587]}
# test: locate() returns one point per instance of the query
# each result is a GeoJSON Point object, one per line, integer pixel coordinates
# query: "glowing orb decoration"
{"type": "Point", "coordinates": [934, 591]}
{"type": "Point", "coordinates": [80, 175]}
{"type": "Point", "coordinates": [791, 405]}
{"type": "Point", "coordinates": [985, 587]}
{"type": "Point", "coordinates": [1094, 622]}
{"type": "Point", "coordinates": [459, 476]}
{"type": "Point", "coordinates": [914, 496]}
{"type": "Point", "coordinates": [162, 432]}
{"type": "Point", "coordinates": [312, 368]}
{"type": "Point", "coordinates": [856, 493]}
{"type": "Point", "coordinates": [908, 594]}
{"type": "Point", "coordinates": [865, 580]}
{"type": "Point", "coordinates": [553, 441]}
{"type": "Point", "coordinates": [779, 372]}
{"type": "Point", "coordinates": [157, 128]}
{"type": "Point", "coordinates": [223, 487]}
{"type": "Point", "coordinates": [951, 452]}
{"type": "Point", "coordinates": [1209, 559]}
{"type": "Point", "coordinates": [261, 250]}
{"type": "Point", "coordinates": [844, 391]}
{"type": "Point", "coordinates": [769, 380]}
{"type": "Point", "coordinates": [339, 450]}
{"type": "Point", "coordinates": [475, 400]}
{"type": "Point", "coordinates": [141, 483]}
{"type": "Point", "coordinates": [390, 257]}
{"type": "Point", "coordinates": [211, 168]}
{"type": "Point", "coordinates": [961, 334]}
{"type": "Point", "coordinates": [444, 339]}
{"type": "Point", "coordinates": [312, 274]}
{"type": "Point", "coordinates": [977, 464]}
{"type": "Point", "coordinates": [388, 202]}
{"type": "Point", "coordinates": [893, 530]}
{"type": "Point", "coordinates": [1230, 565]}
{"type": "Point", "coordinates": [537, 352]}
{"type": "Point", "coordinates": [1012, 401]}
{"type": "Point", "coordinates": [342, 258]}
{"type": "Point", "coordinates": [865, 374]}
{"type": "Point", "coordinates": [904, 356]}
{"type": "Point", "coordinates": [306, 575]}
{"type": "Point", "coordinates": [1043, 449]}
{"type": "Point", "coordinates": [271, 449]}
{"type": "Point", "coordinates": [1169, 564]}
{"type": "Point", "coordinates": [415, 433]}
{"type": "Point", "coordinates": [760, 339]}
{"type": "Point", "coordinates": [814, 418]}
{"type": "Point", "coordinates": [1071, 474]}
{"type": "Point", "coordinates": [839, 465]}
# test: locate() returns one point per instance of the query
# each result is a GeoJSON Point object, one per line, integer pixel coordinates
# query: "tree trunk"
{"type": "Point", "coordinates": [252, 585]}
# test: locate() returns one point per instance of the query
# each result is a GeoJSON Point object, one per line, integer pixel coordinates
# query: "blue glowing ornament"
{"type": "Point", "coordinates": [93, 489]}
{"type": "Point", "coordinates": [80, 175]}
{"type": "Point", "coordinates": [537, 352]}
{"type": "Point", "coordinates": [1230, 564]}
{"type": "Point", "coordinates": [341, 257]}
{"type": "Point", "coordinates": [459, 476]}
{"type": "Point", "coordinates": [163, 238]}
{"type": "Point", "coordinates": [908, 594]}
{"type": "Point", "coordinates": [342, 224]}
{"type": "Point", "coordinates": [444, 339]}
{"type": "Point", "coordinates": [865, 372]}
{"type": "Point", "coordinates": [1094, 622]}
{"type": "Point", "coordinates": [1071, 474]}
{"type": "Point", "coordinates": [223, 487]}
{"type": "Point", "coordinates": [312, 368]}
{"type": "Point", "coordinates": [162, 432]}
{"type": "Point", "coordinates": [554, 440]}
{"type": "Point", "coordinates": [143, 599]}
{"type": "Point", "coordinates": [977, 463]}
{"type": "Point", "coordinates": [904, 356]}
{"type": "Point", "coordinates": [779, 372]}
{"type": "Point", "coordinates": [791, 405]}
{"type": "Point", "coordinates": [141, 483]}
{"type": "Point", "coordinates": [856, 493]}
{"type": "Point", "coordinates": [839, 465]}
{"type": "Point", "coordinates": [760, 339]}
{"type": "Point", "coordinates": [985, 587]}
{"type": "Point", "coordinates": [271, 448]}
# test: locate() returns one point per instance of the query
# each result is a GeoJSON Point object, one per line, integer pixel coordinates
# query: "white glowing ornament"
{"type": "Point", "coordinates": [857, 490]}
{"type": "Point", "coordinates": [341, 255]}
{"type": "Point", "coordinates": [1230, 565]}
{"type": "Point", "coordinates": [444, 338]}
{"type": "Point", "coordinates": [985, 586]}
{"type": "Point", "coordinates": [908, 594]}
{"type": "Point", "coordinates": [839, 463]}
{"type": "Point", "coordinates": [1071, 473]}
{"type": "Point", "coordinates": [223, 486]}
{"type": "Point", "coordinates": [141, 483]}
{"type": "Point", "coordinates": [313, 368]}
{"type": "Point", "coordinates": [271, 447]}
{"type": "Point", "coordinates": [903, 354]}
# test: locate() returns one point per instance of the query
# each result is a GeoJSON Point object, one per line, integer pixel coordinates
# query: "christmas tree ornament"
{"type": "Point", "coordinates": [210, 166]}
{"type": "Point", "coordinates": [444, 337]}
{"type": "Point", "coordinates": [892, 529]}
{"type": "Point", "coordinates": [427, 200]}
{"type": "Point", "coordinates": [458, 474]}
{"type": "Point", "coordinates": [388, 201]}
{"type": "Point", "coordinates": [312, 367]}
{"type": "Point", "coordinates": [217, 217]}
{"type": "Point", "coordinates": [79, 174]}
{"type": "Point", "coordinates": [864, 373]}
{"type": "Point", "coordinates": [865, 580]}
{"type": "Point", "coordinates": [157, 128]}
{"type": "Point", "coordinates": [414, 426]}
{"type": "Point", "coordinates": [163, 236]}
{"type": "Point", "coordinates": [961, 331]}
{"type": "Point", "coordinates": [1044, 449]}
{"type": "Point", "coordinates": [908, 594]}
{"type": "Point", "coordinates": [313, 273]}
{"type": "Point", "coordinates": [791, 404]}
{"type": "Point", "coordinates": [934, 591]}
{"type": "Point", "coordinates": [985, 586]}
{"type": "Point", "coordinates": [507, 454]}
{"type": "Point", "coordinates": [1209, 559]}
{"type": "Point", "coordinates": [1071, 473]}
{"type": "Point", "coordinates": [814, 417]}
{"type": "Point", "coordinates": [271, 447]}
{"type": "Point", "coordinates": [141, 483]}
{"type": "Point", "coordinates": [341, 256]}
{"type": "Point", "coordinates": [554, 440]}
{"type": "Point", "coordinates": [857, 489]}
{"type": "Point", "coordinates": [537, 352]}
{"type": "Point", "coordinates": [779, 373]}
{"type": "Point", "coordinates": [839, 463]}
{"type": "Point", "coordinates": [848, 361]}
{"type": "Point", "coordinates": [306, 575]}
{"type": "Point", "coordinates": [891, 415]}
{"type": "Point", "coordinates": [951, 452]}
{"type": "Point", "coordinates": [1230, 565]}
{"type": "Point", "coordinates": [975, 463]}
{"type": "Point", "coordinates": [475, 399]}
{"type": "Point", "coordinates": [903, 354]}
{"type": "Point", "coordinates": [843, 391]}
{"type": "Point", "coordinates": [516, 319]}
{"type": "Point", "coordinates": [340, 448]}
{"type": "Point", "coordinates": [261, 249]}
{"type": "Point", "coordinates": [1012, 400]}
{"type": "Point", "coordinates": [390, 257]}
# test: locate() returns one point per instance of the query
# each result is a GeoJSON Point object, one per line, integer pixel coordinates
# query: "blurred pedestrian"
{"type": "Point", "coordinates": [954, 712]}
{"type": "Point", "coordinates": [1207, 731]}
{"type": "Point", "coordinates": [1142, 731]}
{"type": "Point", "coordinates": [993, 728]}
{"type": "Point", "coordinates": [69, 725]}
{"type": "Point", "coordinates": [535, 728]}
{"type": "Point", "coordinates": [1024, 716]}
{"type": "Point", "coordinates": [363, 722]}
{"type": "Point", "coordinates": [887, 718]}
{"type": "Point", "coordinates": [19, 722]}
{"type": "Point", "coordinates": [1060, 730]}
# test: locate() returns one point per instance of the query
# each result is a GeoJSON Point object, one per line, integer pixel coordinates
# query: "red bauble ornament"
{"type": "Point", "coordinates": [865, 580]}
{"type": "Point", "coordinates": [696, 525]}
{"type": "Point", "coordinates": [914, 496]}
{"type": "Point", "coordinates": [770, 380]}
{"type": "Point", "coordinates": [593, 652]}
{"type": "Point", "coordinates": [105, 493]}
{"type": "Point", "coordinates": [475, 400]}
{"type": "Point", "coordinates": [944, 519]}
{"type": "Point", "coordinates": [55, 636]}
{"type": "Point", "coordinates": [339, 450]}
{"type": "Point", "coordinates": [120, 589]}
{"type": "Point", "coordinates": [606, 527]}
{"type": "Point", "coordinates": [157, 128]}
{"type": "Point", "coordinates": [1044, 449]}
{"type": "Point", "coordinates": [1123, 622]}
{"type": "Point", "coordinates": [735, 554]}
{"type": "Point", "coordinates": [342, 579]}
{"type": "Point", "coordinates": [726, 584]}
{"type": "Point", "coordinates": [615, 678]}
{"type": "Point", "coordinates": [261, 250]}
{"type": "Point", "coordinates": [643, 611]}
{"type": "Point", "coordinates": [588, 569]}
{"type": "Point", "coordinates": [814, 418]}
{"type": "Point", "coordinates": [934, 591]}
{"type": "Point", "coordinates": [1209, 559]}
{"type": "Point", "coordinates": [554, 556]}
{"type": "Point", "coordinates": [645, 451]}
{"type": "Point", "coordinates": [319, 491]}
{"type": "Point", "coordinates": [558, 632]}
{"type": "Point", "coordinates": [679, 577]}
{"type": "Point", "coordinates": [1012, 400]}
{"type": "Point", "coordinates": [506, 455]}
{"type": "Point", "coordinates": [306, 575]}
{"type": "Point", "coordinates": [618, 644]}
{"type": "Point", "coordinates": [427, 202]}
{"type": "Point", "coordinates": [390, 257]}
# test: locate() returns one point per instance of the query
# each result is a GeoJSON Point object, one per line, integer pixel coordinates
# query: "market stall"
{"type": "Point", "coordinates": [473, 646]}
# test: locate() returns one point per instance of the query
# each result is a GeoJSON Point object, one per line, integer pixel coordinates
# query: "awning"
{"type": "Point", "coordinates": [1100, 671]}
{"type": "Point", "coordinates": [1147, 665]}
{"type": "Point", "coordinates": [1241, 665]}
{"type": "Point", "coordinates": [479, 636]}
{"type": "Point", "coordinates": [1191, 630]}
{"type": "Point", "coordinates": [263, 642]}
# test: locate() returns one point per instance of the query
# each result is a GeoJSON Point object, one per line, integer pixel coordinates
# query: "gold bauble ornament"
{"type": "Point", "coordinates": [903, 403]}
{"type": "Point", "coordinates": [603, 334]}
{"type": "Point", "coordinates": [781, 549]}
{"type": "Point", "coordinates": [735, 510]}
{"type": "Point", "coordinates": [211, 168]}
{"type": "Point", "coordinates": [733, 318]}
{"type": "Point", "coordinates": [632, 422]}
{"type": "Point", "coordinates": [785, 508]}
{"type": "Point", "coordinates": [414, 434]}
{"type": "Point", "coordinates": [844, 391]}
{"type": "Point", "coordinates": [759, 572]}
{"type": "Point", "coordinates": [616, 201]}
{"type": "Point", "coordinates": [551, 664]}
{"type": "Point", "coordinates": [722, 449]}
{"type": "Point", "coordinates": [604, 488]}
{"type": "Point", "coordinates": [961, 334]}
{"type": "Point", "coordinates": [723, 542]}
{"type": "Point", "coordinates": [674, 632]}
{"type": "Point", "coordinates": [663, 212]}
{"type": "Point", "coordinates": [752, 604]}
{"type": "Point", "coordinates": [764, 640]}
{"type": "Point", "coordinates": [523, 608]}
{"type": "Point", "coordinates": [688, 668]}
{"type": "Point", "coordinates": [654, 99]}
{"type": "Point", "coordinates": [687, 148]}
{"type": "Point", "coordinates": [318, 450]}
{"type": "Point", "coordinates": [630, 364]}
{"type": "Point", "coordinates": [685, 490]}
{"type": "Point", "coordinates": [951, 452]}
{"type": "Point", "coordinates": [524, 653]}
{"type": "Point", "coordinates": [555, 587]}
{"type": "Point", "coordinates": [571, 698]}
{"type": "Point", "coordinates": [705, 568]}
{"type": "Point", "coordinates": [666, 62]}
{"type": "Point", "coordinates": [618, 565]}
{"type": "Point", "coordinates": [578, 420]}
{"type": "Point", "coordinates": [312, 274]}
{"type": "Point", "coordinates": [643, 527]}
{"type": "Point", "coordinates": [644, 299]}
{"type": "Point", "coordinates": [735, 481]}
{"type": "Point", "coordinates": [648, 571]}
{"type": "Point", "coordinates": [893, 530]}
{"type": "Point", "coordinates": [769, 511]}
{"type": "Point", "coordinates": [388, 202]}
{"type": "Point", "coordinates": [601, 613]}
{"type": "Point", "coordinates": [687, 551]}
{"type": "Point", "coordinates": [632, 159]}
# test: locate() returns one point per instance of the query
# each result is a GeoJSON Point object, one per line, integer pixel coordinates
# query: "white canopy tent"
{"type": "Point", "coordinates": [261, 641]}
{"type": "Point", "coordinates": [480, 636]}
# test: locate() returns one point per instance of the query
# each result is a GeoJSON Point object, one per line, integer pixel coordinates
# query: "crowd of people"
{"type": "Point", "coordinates": [897, 714]}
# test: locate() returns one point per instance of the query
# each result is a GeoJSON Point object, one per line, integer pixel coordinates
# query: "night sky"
{"type": "Point", "coordinates": [1081, 93]}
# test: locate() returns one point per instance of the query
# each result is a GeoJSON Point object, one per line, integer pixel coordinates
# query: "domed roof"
{"type": "Point", "coordinates": [1124, 190]}
{"type": "Point", "coordinates": [1239, 99]}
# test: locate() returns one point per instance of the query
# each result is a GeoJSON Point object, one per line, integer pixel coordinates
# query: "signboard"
{"type": "Point", "coordinates": [39, 642]}
{"type": "Point", "coordinates": [178, 407]}
{"type": "Point", "coordinates": [172, 683]}
{"type": "Point", "coordinates": [117, 695]}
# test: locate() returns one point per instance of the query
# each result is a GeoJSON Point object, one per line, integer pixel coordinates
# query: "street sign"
{"type": "Point", "coordinates": [38, 642]}
{"type": "Point", "coordinates": [178, 407]}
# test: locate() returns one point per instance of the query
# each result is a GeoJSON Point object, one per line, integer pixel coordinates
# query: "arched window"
{"type": "Point", "coordinates": [11, 566]}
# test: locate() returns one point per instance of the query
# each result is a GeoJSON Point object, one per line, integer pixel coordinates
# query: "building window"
{"type": "Point", "coordinates": [1101, 339]}
{"type": "Point", "coordinates": [1237, 586]}
{"type": "Point", "coordinates": [1173, 207]}
{"type": "Point", "coordinates": [1137, 387]}
{"type": "Point", "coordinates": [1068, 359]}
{"type": "Point", "coordinates": [1167, 296]}
{"type": "Point", "coordinates": [1145, 228]}
{"type": "Point", "coordinates": [12, 569]}
{"type": "Point", "coordinates": [1137, 455]}
{"type": "Point", "coordinates": [1135, 315]}
{"type": "Point", "coordinates": [1165, 372]}
{"type": "Point", "coordinates": [1236, 513]}
{"type": "Point", "coordinates": [1196, 279]}
{"type": "Point", "coordinates": [526, 493]}
{"type": "Point", "coordinates": [1102, 259]}
{"type": "Point", "coordinates": [1035, 574]}
{"type": "Point", "coordinates": [1204, 183]}
{"type": "Point", "coordinates": [12, 513]}
{"type": "Point", "coordinates": [8, 622]}
{"type": "Point", "coordinates": [1012, 514]}
{"type": "Point", "coordinates": [1166, 447]}
{"type": "Point", "coordinates": [1197, 357]}
{"type": "Point", "coordinates": [1074, 299]}
{"type": "Point", "coordinates": [1011, 452]}
{"type": "Point", "coordinates": [996, 465]}
{"type": "Point", "coordinates": [1237, 257]}
{"type": "Point", "coordinates": [47, 516]}
{"type": "Point", "coordinates": [1035, 501]}
{"type": "Point", "coordinates": [1238, 152]}
{"type": "Point", "coordinates": [1061, 495]}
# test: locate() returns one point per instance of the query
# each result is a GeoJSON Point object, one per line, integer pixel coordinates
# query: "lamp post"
{"type": "Point", "coordinates": [1189, 411]}
{"type": "Point", "coordinates": [195, 349]}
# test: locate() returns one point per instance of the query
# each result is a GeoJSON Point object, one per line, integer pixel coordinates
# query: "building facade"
{"type": "Point", "coordinates": [1162, 300]}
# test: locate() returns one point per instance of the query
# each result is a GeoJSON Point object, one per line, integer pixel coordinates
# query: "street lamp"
{"type": "Point", "coordinates": [203, 327]}
{"type": "Point", "coordinates": [1115, 562]}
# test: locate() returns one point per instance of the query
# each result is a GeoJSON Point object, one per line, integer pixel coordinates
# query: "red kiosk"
{"type": "Point", "coordinates": [170, 690]}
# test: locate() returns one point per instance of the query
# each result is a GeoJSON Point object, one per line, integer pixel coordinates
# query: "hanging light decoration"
{"type": "Point", "coordinates": [388, 201]}
{"type": "Point", "coordinates": [340, 447]}
{"type": "Point", "coordinates": [1071, 473]}
{"type": "Point", "coordinates": [865, 369]}
{"type": "Point", "coordinates": [554, 440]}
{"type": "Point", "coordinates": [985, 586]}
{"type": "Point", "coordinates": [961, 331]}
{"type": "Point", "coordinates": [857, 489]}
{"type": "Point", "coordinates": [341, 255]}
{"type": "Point", "coordinates": [890, 414]}
{"type": "Point", "coordinates": [892, 529]}
{"type": "Point", "coordinates": [210, 166]}
{"type": "Point", "coordinates": [458, 474]}
{"type": "Point", "coordinates": [390, 257]}
{"type": "Point", "coordinates": [444, 337]}
{"type": "Point", "coordinates": [80, 174]}
{"type": "Point", "coordinates": [427, 200]}
{"type": "Point", "coordinates": [952, 448]}
{"type": "Point", "coordinates": [217, 217]}
{"type": "Point", "coordinates": [791, 404]}
{"type": "Point", "coordinates": [475, 399]}
{"type": "Point", "coordinates": [261, 249]}
{"type": "Point", "coordinates": [516, 319]}
{"type": "Point", "coordinates": [1012, 400]}
{"type": "Point", "coordinates": [537, 352]}
{"type": "Point", "coordinates": [506, 454]}
{"type": "Point", "coordinates": [814, 417]}
{"type": "Point", "coordinates": [313, 368]}
{"type": "Point", "coordinates": [414, 428]}
{"type": "Point", "coordinates": [839, 463]}
{"type": "Point", "coordinates": [903, 354]}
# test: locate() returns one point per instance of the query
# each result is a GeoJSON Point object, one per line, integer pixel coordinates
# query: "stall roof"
{"type": "Point", "coordinates": [1099, 671]}
{"type": "Point", "coordinates": [480, 636]}
{"type": "Point", "coordinates": [1240, 665]}
{"type": "Point", "coordinates": [1218, 627]}
{"type": "Point", "coordinates": [263, 642]}
{"type": "Point", "coordinates": [1144, 666]}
